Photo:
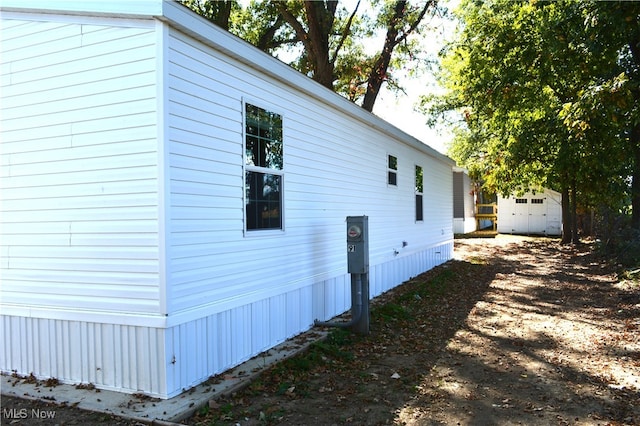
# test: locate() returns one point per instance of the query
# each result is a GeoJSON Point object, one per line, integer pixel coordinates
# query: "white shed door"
{"type": "Point", "coordinates": [537, 215]}
{"type": "Point", "coordinates": [521, 216]}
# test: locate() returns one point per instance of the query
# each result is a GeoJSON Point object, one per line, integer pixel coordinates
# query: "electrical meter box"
{"type": "Point", "coordinates": [357, 245]}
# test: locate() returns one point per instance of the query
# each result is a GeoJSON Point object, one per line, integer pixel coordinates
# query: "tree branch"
{"type": "Point", "coordinates": [345, 33]}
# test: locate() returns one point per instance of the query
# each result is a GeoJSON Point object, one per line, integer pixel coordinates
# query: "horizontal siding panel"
{"type": "Point", "coordinates": [204, 72]}
{"type": "Point", "coordinates": [87, 253]}
{"type": "Point", "coordinates": [185, 93]}
{"type": "Point", "coordinates": [48, 118]}
{"type": "Point", "coordinates": [106, 90]}
{"type": "Point", "coordinates": [71, 178]}
{"type": "Point", "coordinates": [218, 231]}
{"type": "Point", "coordinates": [48, 38]}
{"type": "Point", "coordinates": [83, 202]}
{"type": "Point", "coordinates": [138, 45]}
{"type": "Point", "coordinates": [115, 304]}
{"type": "Point", "coordinates": [187, 132]}
{"type": "Point", "coordinates": [49, 144]}
{"type": "Point", "coordinates": [95, 214]}
{"type": "Point", "coordinates": [91, 126]}
{"type": "Point", "coordinates": [73, 264]}
{"type": "Point", "coordinates": [202, 187]}
{"type": "Point", "coordinates": [93, 152]}
{"type": "Point", "coordinates": [81, 164]}
{"type": "Point", "coordinates": [218, 202]}
{"type": "Point", "coordinates": [205, 135]}
{"type": "Point", "coordinates": [14, 29]}
{"type": "Point", "coordinates": [141, 288]}
{"type": "Point", "coordinates": [62, 72]}
{"type": "Point", "coordinates": [55, 86]}
{"type": "Point", "coordinates": [82, 189]}
{"type": "Point", "coordinates": [208, 165]}
{"type": "Point", "coordinates": [94, 239]}
{"type": "Point", "coordinates": [185, 179]}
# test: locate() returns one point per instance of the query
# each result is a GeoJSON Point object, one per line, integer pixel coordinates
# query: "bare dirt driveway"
{"type": "Point", "coordinates": [514, 331]}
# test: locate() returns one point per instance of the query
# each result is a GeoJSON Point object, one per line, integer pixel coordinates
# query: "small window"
{"type": "Point", "coordinates": [537, 201]}
{"type": "Point", "coordinates": [263, 169]}
{"type": "Point", "coordinates": [392, 170]}
{"type": "Point", "coordinates": [521, 201]}
{"type": "Point", "coordinates": [419, 189]}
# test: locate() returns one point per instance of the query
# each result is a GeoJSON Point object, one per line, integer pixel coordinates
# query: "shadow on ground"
{"type": "Point", "coordinates": [550, 342]}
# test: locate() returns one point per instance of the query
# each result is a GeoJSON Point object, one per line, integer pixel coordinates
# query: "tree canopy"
{"type": "Point", "coordinates": [547, 94]}
{"type": "Point", "coordinates": [330, 41]}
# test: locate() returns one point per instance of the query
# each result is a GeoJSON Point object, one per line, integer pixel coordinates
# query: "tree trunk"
{"type": "Point", "coordinates": [320, 16]}
{"type": "Point", "coordinates": [378, 74]}
{"type": "Point", "coordinates": [574, 214]}
{"type": "Point", "coordinates": [566, 216]}
{"type": "Point", "coordinates": [635, 182]}
{"type": "Point", "coordinates": [634, 47]}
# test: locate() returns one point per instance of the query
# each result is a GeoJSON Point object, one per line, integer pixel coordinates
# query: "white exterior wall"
{"type": "Point", "coordinates": [132, 182]}
{"type": "Point", "coordinates": [79, 157]}
{"type": "Point", "coordinates": [542, 218]}
{"type": "Point", "coordinates": [79, 201]}
{"type": "Point", "coordinates": [243, 292]}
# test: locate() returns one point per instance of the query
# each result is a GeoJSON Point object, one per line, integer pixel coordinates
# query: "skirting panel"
{"type": "Point", "coordinates": [117, 357]}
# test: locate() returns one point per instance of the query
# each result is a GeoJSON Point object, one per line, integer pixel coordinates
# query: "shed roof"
{"type": "Point", "coordinates": [187, 21]}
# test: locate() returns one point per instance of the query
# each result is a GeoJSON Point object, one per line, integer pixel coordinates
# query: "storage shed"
{"type": "Point", "coordinates": [174, 200]}
{"type": "Point", "coordinates": [464, 202]}
{"type": "Point", "coordinates": [538, 213]}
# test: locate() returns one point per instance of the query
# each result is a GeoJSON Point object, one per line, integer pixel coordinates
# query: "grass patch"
{"type": "Point", "coordinates": [391, 312]}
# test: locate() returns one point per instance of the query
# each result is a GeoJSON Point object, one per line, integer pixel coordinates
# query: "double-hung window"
{"type": "Point", "coordinates": [263, 169]}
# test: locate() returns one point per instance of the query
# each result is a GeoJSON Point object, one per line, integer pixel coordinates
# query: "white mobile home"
{"type": "Point", "coordinates": [538, 213]}
{"type": "Point", "coordinates": [464, 202]}
{"type": "Point", "coordinates": [174, 200]}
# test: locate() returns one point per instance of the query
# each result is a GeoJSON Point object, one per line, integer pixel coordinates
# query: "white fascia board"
{"type": "Point", "coordinates": [196, 26]}
{"type": "Point", "coordinates": [116, 8]}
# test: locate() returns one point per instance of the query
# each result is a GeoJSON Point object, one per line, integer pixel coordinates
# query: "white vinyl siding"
{"type": "Point", "coordinates": [79, 156]}
{"type": "Point", "coordinates": [210, 261]}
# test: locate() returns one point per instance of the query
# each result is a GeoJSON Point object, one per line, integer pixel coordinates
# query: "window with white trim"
{"type": "Point", "coordinates": [419, 190]}
{"type": "Point", "coordinates": [392, 170]}
{"type": "Point", "coordinates": [263, 169]}
{"type": "Point", "coordinates": [521, 201]}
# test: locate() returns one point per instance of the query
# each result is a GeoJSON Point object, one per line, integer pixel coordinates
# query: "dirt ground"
{"type": "Point", "coordinates": [514, 331]}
